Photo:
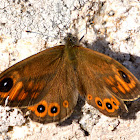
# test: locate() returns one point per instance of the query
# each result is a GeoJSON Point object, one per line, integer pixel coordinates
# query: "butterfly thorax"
{"type": "Point", "coordinates": [70, 51]}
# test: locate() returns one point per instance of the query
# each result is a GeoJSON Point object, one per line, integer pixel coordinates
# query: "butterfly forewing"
{"type": "Point", "coordinates": [28, 81]}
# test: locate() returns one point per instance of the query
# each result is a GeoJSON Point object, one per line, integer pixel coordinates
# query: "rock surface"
{"type": "Point", "coordinates": [110, 27]}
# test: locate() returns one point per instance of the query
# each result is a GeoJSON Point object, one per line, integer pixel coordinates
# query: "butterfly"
{"type": "Point", "coordinates": [47, 84]}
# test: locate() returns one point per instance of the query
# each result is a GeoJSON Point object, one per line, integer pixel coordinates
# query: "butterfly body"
{"type": "Point", "coordinates": [47, 84]}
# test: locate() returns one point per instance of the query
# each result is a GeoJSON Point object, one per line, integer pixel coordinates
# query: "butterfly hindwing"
{"type": "Point", "coordinates": [60, 100]}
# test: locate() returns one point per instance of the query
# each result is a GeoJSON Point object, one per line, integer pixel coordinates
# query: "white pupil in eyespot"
{"type": "Point", "coordinates": [5, 84]}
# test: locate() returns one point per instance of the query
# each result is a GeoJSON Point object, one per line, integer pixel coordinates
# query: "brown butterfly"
{"type": "Point", "coordinates": [48, 83]}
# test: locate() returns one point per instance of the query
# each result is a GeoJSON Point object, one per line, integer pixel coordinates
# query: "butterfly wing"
{"type": "Point", "coordinates": [104, 82]}
{"type": "Point", "coordinates": [60, 100]}
{"type": "Point", "coordinates": [41, 84]}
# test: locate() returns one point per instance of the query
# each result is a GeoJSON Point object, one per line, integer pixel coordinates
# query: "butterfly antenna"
{"type": "Point", "coordinates": [81, 38]}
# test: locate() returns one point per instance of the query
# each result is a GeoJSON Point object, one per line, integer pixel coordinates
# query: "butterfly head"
{"type": "Point", "coordinates": [71, 40]}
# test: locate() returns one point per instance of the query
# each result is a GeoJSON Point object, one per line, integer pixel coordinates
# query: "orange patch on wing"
{"type": "Point", "coordinates": [114, 89]}
{"type": "Point", "coordinates": [121, 88]}
{"type": "Point", "coordinates": [22, 95]}
{"type": "Point", "coordinates": [108, 81]}
{"type": "Point", "coordinates": [34, 108]}
{"type": "Point", "coordinates": [111, 79]}
{"type": "Point", "coordinates": [36, 86]}
{"type": "Point", "coordinates": [30, 85]}
{"type": "Point", "coordinates": [4, 95]}
{"type": "Point", "coordinates": [132, 84]}
{"type": "Point", "coordinates": [15, 91]}
{"type": "Point", "coordinates": [34, 95]}
{"type": "Point", "coordinates": [124, 84]}
{"type": "Point", "coordinates": [50, 107]}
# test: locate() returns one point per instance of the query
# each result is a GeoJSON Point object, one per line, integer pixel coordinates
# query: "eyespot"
{"type": "Point", "coordinates": [108, 105]}
{"type": "Point", "coordinates": [54, 109]}
{"type": "Point", "coordinates": [6, 84]}
{"type": "Point", "coordinates": [99, 103]}
{"type": "Point", "coordinates": [89, 97]}
{"type": "Point", "coordinates": [66, 104]}
{"type": "Point", "coordinates": [124, 76]}
{"type": "Point", "coordinates": [41, 108]}
{"type": "Point", "coordinates": [115, 102]}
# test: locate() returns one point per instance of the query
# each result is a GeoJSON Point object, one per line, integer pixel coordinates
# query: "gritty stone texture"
{"type": "Point", "coordinates": [110, 27]}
